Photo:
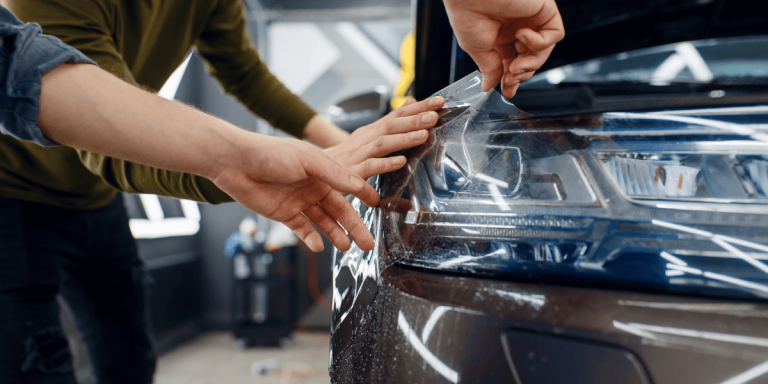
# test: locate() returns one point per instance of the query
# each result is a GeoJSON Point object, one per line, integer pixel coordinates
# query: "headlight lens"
{"type": "Point", "coordinates": [666, 201]}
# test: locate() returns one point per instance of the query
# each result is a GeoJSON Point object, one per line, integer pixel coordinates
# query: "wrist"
{"type": "Point", "coordinates": [324, 133]}
{"type": "Point", "coordinates": [226, 150]}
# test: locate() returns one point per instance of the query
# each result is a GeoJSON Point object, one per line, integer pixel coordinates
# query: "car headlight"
{"type": "Point", "coordinates": [673, 201]}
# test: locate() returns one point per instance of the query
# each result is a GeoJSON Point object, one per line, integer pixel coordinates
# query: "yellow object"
{"type": "Point", "coordinates": [404, 88]}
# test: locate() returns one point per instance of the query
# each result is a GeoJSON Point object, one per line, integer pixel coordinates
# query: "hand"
{"type": "Point", "coordinates": [363, 152]}
{"type": "Point", "coordinates": [508, 39]}
{"type": "Point", "coordinates": [297, 184]}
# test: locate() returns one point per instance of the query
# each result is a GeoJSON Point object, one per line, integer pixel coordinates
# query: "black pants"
{"type": "Point", "coordinates": [90, 259]}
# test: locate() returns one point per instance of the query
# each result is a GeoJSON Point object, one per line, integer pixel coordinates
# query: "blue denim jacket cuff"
{"type": "Point", "coordinates": [33, 56]}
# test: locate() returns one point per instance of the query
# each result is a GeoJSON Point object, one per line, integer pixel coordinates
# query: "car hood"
{"type": "Point", "coordinates": [603, 27]}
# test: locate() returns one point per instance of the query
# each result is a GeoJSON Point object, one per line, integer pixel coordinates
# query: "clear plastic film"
{"type": "Point", "coordinates": [673, 200]}
{"type": "Point", "coordinates": [586, 198]}
{"type": "Point", "coordinates": [460, 161]}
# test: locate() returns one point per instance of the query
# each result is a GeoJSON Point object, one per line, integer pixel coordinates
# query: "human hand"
{"type": "Point", "coordinates": [508, 39]}
{"type": "Point", "coordinates": [292, 182]}
{"type": "Point", "coordinates": [363, 152]}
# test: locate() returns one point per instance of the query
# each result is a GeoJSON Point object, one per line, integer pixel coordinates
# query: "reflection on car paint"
{"type": "Point", "coordinates": [429, 357]}
{"type": "Point", "coordinates": [576, 199]}
{"type": "Point", "coordinates": [534, 300]}
{"type": "Point", "coordinates": [656, 332]}
{"type": "Point", "coordinates": [433, 331]}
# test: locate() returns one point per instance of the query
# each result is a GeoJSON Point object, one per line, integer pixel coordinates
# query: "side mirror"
{"type": "Point", "coordinates": [359, 110]}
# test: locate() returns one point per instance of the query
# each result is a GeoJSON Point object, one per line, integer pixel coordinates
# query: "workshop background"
{"type": "Point", "coordinates": [325, 51]}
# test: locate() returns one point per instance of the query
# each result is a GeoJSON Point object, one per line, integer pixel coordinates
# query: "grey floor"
{"type": "Point", "coordinates": [213, 358]}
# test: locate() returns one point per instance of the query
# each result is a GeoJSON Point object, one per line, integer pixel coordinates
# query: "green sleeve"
{"type": "Point", "coordinates": [80, 24]}
{"type": "Point", "coordinates": [232, 58]}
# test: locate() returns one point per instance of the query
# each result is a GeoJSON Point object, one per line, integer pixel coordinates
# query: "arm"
{"type": "Point", "coordinates": [324, 134]}
{"type": "Point", "coordinates": [508, 39]}
{"type": "Point", "coordinates": [282, 179]}
{"type": "Point", "coordinates": [25, 56]}
{"type": "Point", "coordinates": [82, 25]}
{"type": "Point", "coordinates": [233, 59]}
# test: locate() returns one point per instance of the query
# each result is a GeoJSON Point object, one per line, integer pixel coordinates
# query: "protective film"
{"type": "Point", "coordinates": [661, 200]}
{"type": "Point", "coordinates": [672, 200]}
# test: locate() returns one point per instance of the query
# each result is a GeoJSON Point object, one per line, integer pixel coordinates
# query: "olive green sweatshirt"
{"type": "Point", "coordinates": [142, 42]}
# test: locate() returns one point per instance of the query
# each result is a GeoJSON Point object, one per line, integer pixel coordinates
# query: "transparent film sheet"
{"type": "Point", "coordinates": [583, 197]}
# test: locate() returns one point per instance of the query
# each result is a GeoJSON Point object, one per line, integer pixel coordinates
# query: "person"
{"type": "Point", "coordinates": [44, 249]}
{"type": "Point", "coordinates": [95, 261]}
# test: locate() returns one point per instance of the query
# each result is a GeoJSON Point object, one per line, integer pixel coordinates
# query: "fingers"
{"type": "Point", "coordinates": [490, 66]}
{"type": "Point", "coordinates": [339, 208]}
{"type": "Point", "coordinates": [529, 62]}
{"type": "Point", "coordinates": [385, 145]}
{"type": "Point", "coordinates": [521, 69]}
{"type": "Point", "coordinates": [414, 108]}
{"type": "Point", "coordinates": [421, 121]}
{"type": "Point", "coordinates": [329, 215]}
{"type": "Point", "coordinates": [320, 166]}
{"type": "Point", "coordinates": [326, 224]}
{"type": "Point", "coordinates": [509, 91]}
{"type": "Point", "coordinates": [373, 167]}
{"type": "Point", "coordinates": [550, 29]}
{"type": "Point", "coordinates": [518, 77]}
{"type": "Point", "coordinates": [368, 196]}
{"type": "Point", "coordinates": [301, 226]}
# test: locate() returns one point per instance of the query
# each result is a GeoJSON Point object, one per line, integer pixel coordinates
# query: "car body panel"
{"type": "Point", "coordinates": [402, 313]}
{"type": "Point", "coordinates": [435, 328]}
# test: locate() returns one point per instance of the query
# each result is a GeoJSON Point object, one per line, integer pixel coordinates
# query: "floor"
{"type": "Point", "coordinates": [214, 358]}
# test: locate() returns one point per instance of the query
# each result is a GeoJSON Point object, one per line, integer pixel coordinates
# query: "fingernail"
{"type": "Point", "coordinates": [524, 40]}
{"type": "Point", "coordinates": [416, 135]}
{"type": "Point", "coordinates": [520, 72]}
{"type": "Point", "coordinates": [515, 82]}
{"type": "Point", "coordinates": [357, 183]}
{"type": "Point", "coordinates": [394, 160]}
{"type": "Point", "coordinates": [428, 117]}
{"type": "Point", "coordinates": [434, 101]}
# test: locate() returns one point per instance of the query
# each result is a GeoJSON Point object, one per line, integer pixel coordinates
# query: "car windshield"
{"type": "Point", "coordinates": [701, 61]}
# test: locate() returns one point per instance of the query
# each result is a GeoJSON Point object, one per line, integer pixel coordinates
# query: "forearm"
{"type": "Point", "coordinates": [87, 108]}
{"type": "Point", "coordinates": [323, 133]}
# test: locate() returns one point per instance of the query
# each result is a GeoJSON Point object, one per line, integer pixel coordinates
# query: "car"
{"type": "Point", "coordinates": [608, 224]}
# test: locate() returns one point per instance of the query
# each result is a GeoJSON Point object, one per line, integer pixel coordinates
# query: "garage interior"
{"type": "Point", "coordinates": [325, 52]}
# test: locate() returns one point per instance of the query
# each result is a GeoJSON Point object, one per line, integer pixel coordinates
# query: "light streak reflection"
{"type": "Point", "coordinates": [422, 350]}
{"type": "Point", "coordinates": [491, 180]}
{"type": "Point", "coordinates": [651, 331]}
{"type": "Point", "coordinates": [439, 311]}
{"type": "Point", "coordinates": [748, 375]}
{"type": "Point", "coordinates": [534, 300]}
{"type": "Point", "coordinates": [498, 198]}
{"type": "Point", "coordinates": [676, 266]}
{"type": "Point", "coordinates": [432, 321]}
{"type": "Point", "coordinates": [693, 333]}
{"type": "Point", "coordinates": [749, 259]}
{"type": "Point", "coordinates": [672, 258]}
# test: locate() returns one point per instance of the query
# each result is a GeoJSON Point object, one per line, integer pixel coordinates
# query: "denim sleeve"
{"type": "Point", "coordinates": [26, 54]}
